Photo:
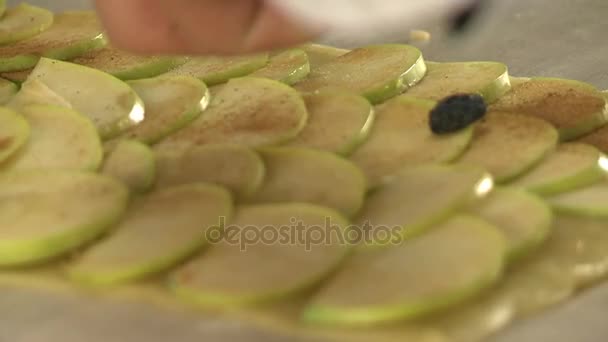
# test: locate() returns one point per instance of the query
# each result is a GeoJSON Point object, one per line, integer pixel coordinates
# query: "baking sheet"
{"type": "Point", "coordinates": [560, 38]}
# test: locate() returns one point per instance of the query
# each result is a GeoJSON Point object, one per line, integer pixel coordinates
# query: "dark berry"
{"type": "Point", "coordinates": [456, 112]}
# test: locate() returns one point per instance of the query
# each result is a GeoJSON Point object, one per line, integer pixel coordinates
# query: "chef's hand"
{"type": "Point", "coordinates": [197, 26]}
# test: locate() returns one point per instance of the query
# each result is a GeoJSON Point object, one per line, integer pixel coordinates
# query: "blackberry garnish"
{"type": "Point", "coordinates": [457, 112]}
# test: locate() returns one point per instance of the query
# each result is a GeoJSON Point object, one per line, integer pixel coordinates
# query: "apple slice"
{"type": "Point", "coordinates": [310, 176]}
{"type": "Point", "coordinates": [71, 35]}
{"type": "Point", "coordinates": [476, 320]}
{"type": "Point", "coordinates": [537, 285]}
{"type": "Point", "coordinates": [507, 145]}
{"type": "Point", "coordinates": [111, 104]}
{"type": "Point", "coordinates": [337, 122]}
{"type": "Point", "coordinates": [289, 67]}
{"type": "Point", "coordinates": [524, 219]}
{"type": "Point", "coordinates": [451, 264]}
{"type": "Point", "coordinates": [8, 90]}
{"type": "Point", "coordinates": [249, 111]}
{"type": "Point", "coordinates": [34, 92]}
{"type": "Point", "coordinates": [127, 66]}
{"type": "Point", "coordinates": [171, 103]}
{"type": "Point", "coordinates": [489, 79]}
{"type": "Point", "coordinates": [518, 80]}
{"type": "Point", "coordinates": [17, 77]}
{"type": "Point", "coordinates": [401, 136]}
{"type": "Point", "coordinates": [46, 214]}
{"type": "Point", "coordinates": [590, 201]}
{"type": "Point", "coordinates": [571, 167]}
{"type": "Point", "coordinates": [286, 316]}
{"type": "Point", "coordinates": [22, 22]}
{"type": "Point", "coordinates": [215, 70]}
{"type": "Point", "coordinates": [133, 164]}
{"type": "Point", "coordinates": [161, 230]}
{"type": "Point", "coordinates": [529, 287]}
{"type": "Point", "coordinates": [241, 271]}
{"type": "Point", "coordinates": [599, 137]}
{"type": "Point", "coordinates": [573, 107]}
{"type": "Point", "coordinates": [319, 54]}
{"type": "Point", "coordinates": [235, 167]}
{"type": "Point", "coordinates": [60, 139]}
{"type": "Point", "coordinates": [14, 133]}
{"type": "Point", "coordinates": [417, 198]}
{"type": "Point", "coordinates": [376, 72]}
{"type": "Point", "coordinates": [578, 246]}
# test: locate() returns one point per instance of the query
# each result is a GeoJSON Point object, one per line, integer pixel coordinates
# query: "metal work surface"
{"type": "Point", "coordinates": [561, 38]}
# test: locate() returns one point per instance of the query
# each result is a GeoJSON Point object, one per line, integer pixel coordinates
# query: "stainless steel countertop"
{"type": "Point", "coordinates": [561, 38]}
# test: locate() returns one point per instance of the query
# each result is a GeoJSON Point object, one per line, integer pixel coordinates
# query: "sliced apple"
{"type": "Point", "coordinates": [517, 80]}
{"type": "Point", "coordinates": [17, 77]}
{"type": "Point", "coordinates": [171, 103]}
{"type": "Point", "coordinates": [249, 111]}
{"type": "Point", "coordinates": [235, 167]}
{"type": "Point", "coordinates": [34, 92]}
{"type": "Point", "coordinates": [337, 122]}
{"type": "Point", "coordinates": [111, 104]}
{"type": "Point", "coordinates": [573, 107]}
{"type": "Point", "coordinates": [417, 198]}
{"type": "Point", "coordinates": [8, 90]}
{"type": "Point", "coordinates": [133, 164]}
{"type": "Point", "coordinates": [451, 264]}
{"type": "Point", "coordinates": [578, 246]}
{"type": "Point", "coordinates": [590, 201]}
{"type": "Point", "coordinates": [60, 139]}
{"type": "Point", "coordinates": [279, 265]}
{"type": "Point", "coordinates": [488, 79]}
{"type": "Point", "coordinates": [289, 67]}
{"type": "Point", "coordinates": [71, 35]}
{"type": "Point", "coordinates": [46, 214]}
{"type": "Point", "coordinates": [160, 230]}
{"type": "Point", "coordinates": [401, 137]}
{"type": "Point", "coordinates": [598, 137]}
{"type": "Point", "coordinates": [507, 145]}
{"type": "Point", "coordinates": [376, 72]}
{"type": "Point", "coordinates": [571, 167]}
{"type": "Point", "coordinates": [286, 316]}
{"type": "Point", "coordinates": [529, 287]}
{"type": "Point", "coordinates": [215, 70]}
{"type": "Point", "coordinates": [310, 176]}
{"type": "Point", "coordinates": [476, 320]}
{"type": "Point", "coordinates": [524, 219]}
{"type": "Point", "coordinates": [127, 66]}
{"type": "Point", "coordinates": [14, 133]}
{"type": "Point", "coordinates": [319, 54]}
{"type": "Point", "coordinates": [22, 22]}
{"type": "Point", "coordinates": [538, 285]}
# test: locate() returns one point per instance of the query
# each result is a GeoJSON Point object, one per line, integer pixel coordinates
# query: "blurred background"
{"type": "Point", "coordinates": [561, 38]}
